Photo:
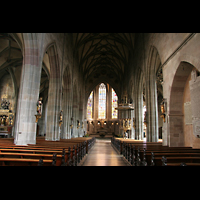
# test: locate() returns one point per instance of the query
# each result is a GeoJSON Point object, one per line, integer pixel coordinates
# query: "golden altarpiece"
{"type": "Point", "coordinates": [6, 118]}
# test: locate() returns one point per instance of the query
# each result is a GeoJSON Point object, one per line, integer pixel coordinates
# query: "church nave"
{"type": "Point", "coordinates": [103, 154]}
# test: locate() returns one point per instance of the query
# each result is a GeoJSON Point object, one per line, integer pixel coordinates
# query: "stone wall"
{"type": "Point", "coordinates": [172, 48]}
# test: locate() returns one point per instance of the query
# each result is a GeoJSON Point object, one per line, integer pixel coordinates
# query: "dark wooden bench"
{"type": "Point", "coordinates": [77, 150]}
{"type": "Point", "coordinates": [175, 161]}
{"type": "Point", "coordinates": [61, 158]}
{"type": "Point", "coordinates": [24, 162]}
{"type": "Point", "coordinates": [70, 148]}
{"type": "Point", "coordinates": [154, 154]}
{"type": "Point", "coordinates": [65, 152]}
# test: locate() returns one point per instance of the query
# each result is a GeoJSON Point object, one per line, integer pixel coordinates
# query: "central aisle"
{"type": "Point", "coordinates": [103, 154]}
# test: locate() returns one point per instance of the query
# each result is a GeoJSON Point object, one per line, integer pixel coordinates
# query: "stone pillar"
{"type": "Point", "coordinates": [140, 105]}
{"type": "Point", "coordinates": [69, 130]}
{"type": "Point", "coordinates": [152, 109]}
{"type": "Point", "coordinates": [54, 104]}
{"type": "Point", "coordinates": [136, 119]}
{"type": "Point", "coordinates": [139, 116]}
{"type": "Point", "coordinates": [25, 126]}
{"type": "Point", "coordinates": [65, 115]}
{"type": "Point", "coordinates": [132, 129]}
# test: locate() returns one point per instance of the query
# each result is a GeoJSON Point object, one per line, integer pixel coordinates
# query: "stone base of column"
{"type": "Point", "coordinates": [25, 138]}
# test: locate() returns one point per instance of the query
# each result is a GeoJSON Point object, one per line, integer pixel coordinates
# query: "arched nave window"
{"type": "Point", "coordinates": [102, 101]}
{"type": "Point", "coordinates": [114, 104]}
{"type": "Point", "coordinates": [90, 106]}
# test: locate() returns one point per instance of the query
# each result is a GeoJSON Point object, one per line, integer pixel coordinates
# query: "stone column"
{"type": "Point", "coordinates": [152, 109]}
{"type": "Point", "coordinates": [25, 126]}
{"type": "Point", "coordinates": [139, 116]}
{"type": "Point", "coordinates": [54, 94]}
{"type": "Point", "coordinates": [65, 115]}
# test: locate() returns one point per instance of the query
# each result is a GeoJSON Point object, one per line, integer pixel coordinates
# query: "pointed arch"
{"type": "Point", "coordinates": [176, 115]}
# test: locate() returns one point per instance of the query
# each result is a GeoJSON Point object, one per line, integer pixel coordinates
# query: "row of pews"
{"type": "Point", "coordinates": [141, 153]}
{"type": "Point", "coordinates": [66, 152]}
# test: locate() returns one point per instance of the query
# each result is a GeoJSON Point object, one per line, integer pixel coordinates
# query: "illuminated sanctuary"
{"type": "Point", "coordinates": [102, 117]}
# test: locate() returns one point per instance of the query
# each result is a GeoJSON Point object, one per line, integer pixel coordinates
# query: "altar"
{"type": "Point", "coordinates": [102, 131]}
{"type": "Point", "coordinates": [6, 119]}
{"type": "Point", "coordinates": [6, 131]}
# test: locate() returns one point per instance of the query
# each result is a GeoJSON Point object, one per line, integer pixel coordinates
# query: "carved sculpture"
{"type": "Point", "coordinates": [39, 109]}
{"type": "Point", "coordinates": [145, 118]}
{"type": "Point", "coordinates": [39, 106]}
{"type": "Point", "coordinates": [134, 123]}
{"type": "Point", "coordinates": [5, 104]}
{"type": "Point", "coordinates": [60, 119]}
{"type": "Point", "coordinates": [162, 106]}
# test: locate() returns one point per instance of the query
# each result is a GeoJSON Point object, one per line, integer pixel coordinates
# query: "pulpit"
{"type": "Point", "coordinates": [125, 117]}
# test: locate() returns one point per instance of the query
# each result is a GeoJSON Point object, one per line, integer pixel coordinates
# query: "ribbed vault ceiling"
{"type": "Point", "coordinates": [103, 54]}
{"type": "Point", "coordinates": [10, 53]}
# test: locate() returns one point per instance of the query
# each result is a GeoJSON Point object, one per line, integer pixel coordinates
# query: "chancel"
{"type": "Point", "coordinates": [100, 99]}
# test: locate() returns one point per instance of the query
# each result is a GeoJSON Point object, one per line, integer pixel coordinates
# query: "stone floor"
{"type": "Point", "coordinates": [103, 154]}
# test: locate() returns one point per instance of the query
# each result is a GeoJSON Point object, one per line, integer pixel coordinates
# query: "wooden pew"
{"type": "Point", "coordinates": [140, 153]}
{"type": "Point", "coordinates": [23, 162]}
{"type": "Point", "coordinates": [60, 158]}
{"type": "Point", "coordinates": [59, 146]}
{"type": "Point", "coordinates": [77, 152]}
{"type": "Point", "coordinates": [175, 161]}
{"type": "Point", "coordinates": [74, 151]}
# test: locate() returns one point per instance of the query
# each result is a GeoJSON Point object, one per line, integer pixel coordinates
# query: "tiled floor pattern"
{"type": "Point", "coordinates": [103, 154]}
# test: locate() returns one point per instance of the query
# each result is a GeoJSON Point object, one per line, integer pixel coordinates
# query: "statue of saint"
{"type": "Point", "coordinates": [39, 106]}
{"type": "Point", "coordinates": [61, 115]}
{"type": "Point", "coordinates": [3, 120]}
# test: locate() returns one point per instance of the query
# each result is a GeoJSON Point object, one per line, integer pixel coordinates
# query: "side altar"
{"type": "Point", "coordinates": [6, 119]}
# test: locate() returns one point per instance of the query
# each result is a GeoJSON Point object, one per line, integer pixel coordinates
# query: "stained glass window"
{"type": "Point", "coordinates": [89, 106]}
{"type": "Point", "coordinates": [102, 101]}
{"type": "Point", "coordinates": [114, 104]}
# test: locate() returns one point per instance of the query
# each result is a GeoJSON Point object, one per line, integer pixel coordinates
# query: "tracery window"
{"type": "Point", "coordinates": [114, 104]}
{"type": "Point", "coordinates": [102, 101]}
{"type": "Point", "coordinates": [89, 106]}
